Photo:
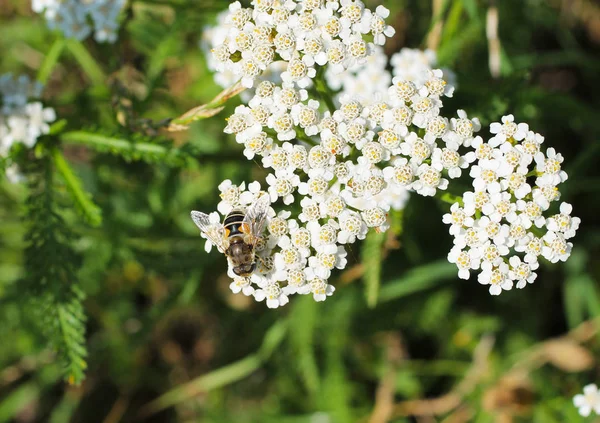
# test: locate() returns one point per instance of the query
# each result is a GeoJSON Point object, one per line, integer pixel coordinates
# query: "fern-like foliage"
{"type": "Point", "coordinates": [50, 287]}
{"type": "Point", "coordinates": [131, 146]}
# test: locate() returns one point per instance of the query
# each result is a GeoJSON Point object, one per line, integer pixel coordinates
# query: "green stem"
{"type": "Point", "coordinates": [87, 62]}
{"type": "Point", "coordinates": [220, 377]}
{"type": "Point", "coordinates": [450, 198]}
{"type": "Point", "coordinates": [50, 60]}
{"type": "Point", "coordinates": [372, 260]}
{"type": "Point", "coordinates": [103, 141]}
{"type": "Point", "coordinates": [323, 90]}
{"type": "Point", "coordinates": [303, 137]}
{"type": "Point", "coordinates": [90, 211]}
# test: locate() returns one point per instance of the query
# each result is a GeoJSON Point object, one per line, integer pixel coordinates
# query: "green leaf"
{"type": "Point", "coordinates": [50, 287]}
{"type": "Point", "coordinates": [372, 260]}
{"type": "Point", "coordinates": [57, 127]}
{"type": "Point", "coordinates": [17, 400]}
{"type": "Point", "coordinates": [574, 300]}
{"type": "Point", "coordinates": [87, 62]}
{"type": "Point", "coordinates": [303, 322]}
{"type": "Point", "coordinates": [82, 199]}
{"type": "Point", "coordinates": [471, 8]}
{"type": "Point", "coordinates": [129, 150]}
{"type": "Point", "coordinates": [418, 279]}
{"type": "Point", "coordinates": [220, 377]}
{"type": "Point", "coordinates": [50, 60]}
{"type": "Point", "coordinates": [64, 410]}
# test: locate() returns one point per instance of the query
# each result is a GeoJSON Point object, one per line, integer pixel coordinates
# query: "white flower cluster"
{"type": "Point", "coordinates": [370, 80]}
{"type": "Point", "coordinates": [79, 18]}
{"type": "Point", "coordinates": [367, 81]}
{"type": "Point", "coordinates": [588, 401]}
{"type": "Point", "coordinates": [302, 255]}
{"type": "Point", "coordinates": [500, 228]}
{"type": "Point", "coordinates": [344, 169]}
{"type": "Point", "coordinates": [302, 34]}
{"type": "Point", "coordinates": [413, 65]}
{"type": "Point", "coordinates": [21, 121]}
{"type": "Point", "coordinates": [213, 37]}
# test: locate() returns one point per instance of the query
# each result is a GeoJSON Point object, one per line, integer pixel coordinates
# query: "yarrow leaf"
{"type": "Point", "coordinates": [53, 294]}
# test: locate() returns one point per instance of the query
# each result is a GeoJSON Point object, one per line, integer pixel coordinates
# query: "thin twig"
{"type": "Point", "coordinates": [532, 359]}
{"type": "Point", "coordinates": [453, 399]}
{"type": "Point", "coordinates": [384, 396]}
{"type": "Point", "coordinates": [494, 47]}
{"type": "Point", "coordinates": [118, 410]}
{"type": "Point", "coordinates": [435, 35]}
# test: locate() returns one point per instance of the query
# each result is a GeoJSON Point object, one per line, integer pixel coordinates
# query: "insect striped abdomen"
{"type": "Point", "coordinates": [233, 223]}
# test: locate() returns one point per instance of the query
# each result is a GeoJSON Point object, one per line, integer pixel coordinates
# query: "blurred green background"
{"type": "Point", "coordinates": [168, 342]}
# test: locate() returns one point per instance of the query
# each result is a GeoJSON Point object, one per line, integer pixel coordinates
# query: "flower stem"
{"type": "Point", "coordinates": [324, 91]}
{"type": "Point", "coordinates": [450, 198]}
{"type": "Point", "coordinates": [303, 137]}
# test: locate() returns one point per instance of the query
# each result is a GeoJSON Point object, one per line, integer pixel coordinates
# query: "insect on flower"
{"type": "Point", "coordinates": [238, 235]}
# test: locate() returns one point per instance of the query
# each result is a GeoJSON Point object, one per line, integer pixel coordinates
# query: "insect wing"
{"type": "Point", "coordinates": [256, 217]}
{"type": "Point", "coordinates": [214, 233]}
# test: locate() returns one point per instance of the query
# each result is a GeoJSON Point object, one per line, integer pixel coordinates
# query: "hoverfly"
{"type": "Point", "coordinates": [238, 235]}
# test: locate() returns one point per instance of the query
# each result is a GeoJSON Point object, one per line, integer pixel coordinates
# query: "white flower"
{"type": "Point", "coordinates": [449, 159]}
{"type": "Point", "coordinates": [500, 207]}
{"type": "Point", "coordinates": [307, 117]}
{"type": "Point", "coordinates": [532, 246]}
{"type": "Point", "coordinates": [494, 231]}
{"type": "Point", "coordinates": [273, 294]}
{"type": "Point", "coordinates": [416, 148]}
{"type": "Point", "coordinates": [549, 165]}
{"type": "Point", "coordinates": [429, 180]}
{"type": "Point", "coordinates": [517, 183]}
{"type": "Point", "coordinates": [563, 222]}
{"type": "Point", "coordinates": [322, 236]}
{"type": "Point", "coordinates": [543, 195]}
{"type": "Point", "coordinates": [257, 144]}
{"type": "Point", "coordinates": [377, 24]}
{"type": "Point", "coordinates": [403, 173]}
{"type": "Point", "coordinates": [435, 85]}
{"type": "Point", "coordinates": [522, 272]}
{"type": "Point", "coordinates": [282, 187]}
{"type": "Point", "coordinates": [310, 210]}
{"type": "Point", "coordinates": [556, 248]}
{"type": "Point", "coordinates": [531, 212]}
{"type": "Point", "coordinates": [425, 109]}
{"type": "Point", "coordinates": [588, 401]}
{"type": "Point", "coordinates": [462, 131]}
{"type": "Point", "coordinates": [492, 254]}
{"type": "Point", "coordinates": [457, 218]}
{"type": "Point", "coordinates": [352, 227]}
{"type": "Point", "coordinates": [251, 194]}
{"type": "Point", "coordinates": [496, 277]}
{"type": "Point", "coordinates": [508, 129]}
{"type": "Point", "coordinates": [21, 121]}
{"type": "Point", "coordinates": [242, 285]}
{"type": "Point", "coordinates": [230, 196]}
{"type": "Point", "coordinates": [464, 260]}
{"type": "Point", "coordinates": [486, 174]}
{"type": "Point", "coordinates": [318, 286]}
{"type": "Point", "coordinates": [472, 237]}
{"type": "Point", "coordinates": [300, 72]}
